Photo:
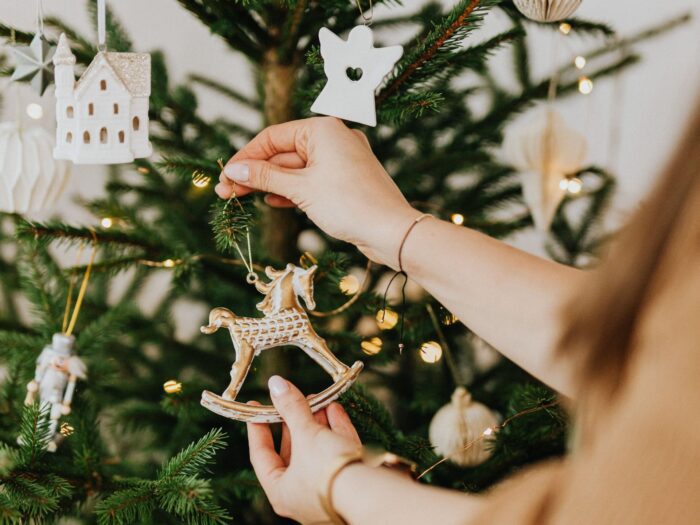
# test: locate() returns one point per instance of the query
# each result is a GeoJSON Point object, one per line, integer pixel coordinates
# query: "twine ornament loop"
{"type": "Point", "coordinates": [102, 25]}
{"type": "Point", "coordinates": [39, 17]}
{"type": "Point", "coordinates": [365, 18]}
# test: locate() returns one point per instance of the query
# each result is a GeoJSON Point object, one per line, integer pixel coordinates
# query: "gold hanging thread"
{"type": "Point", "coordinates": [69, 326]}
{"type": "Point", "coordinates": [367, 19]}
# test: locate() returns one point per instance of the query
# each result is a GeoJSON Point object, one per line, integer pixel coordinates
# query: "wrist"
{"type": "Point", "coordinates": [388, 231]}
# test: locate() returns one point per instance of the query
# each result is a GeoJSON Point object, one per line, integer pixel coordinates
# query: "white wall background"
{"type": "Point", "coordinates": [649, 104]}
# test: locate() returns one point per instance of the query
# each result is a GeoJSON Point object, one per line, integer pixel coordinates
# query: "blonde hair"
{"type": "Point", "coordinates": [602, 320]}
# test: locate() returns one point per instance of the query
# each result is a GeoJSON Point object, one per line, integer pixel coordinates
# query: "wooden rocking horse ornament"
{"type": "Point", "coordinates": [285, 323]}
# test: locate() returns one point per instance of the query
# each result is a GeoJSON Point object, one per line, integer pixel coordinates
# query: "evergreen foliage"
{"type": "Point", "coordinates": [115, 467]}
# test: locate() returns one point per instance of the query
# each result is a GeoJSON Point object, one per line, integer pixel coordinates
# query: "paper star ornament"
{"type": "Point", "coordinates": [34, 63]}
{"type": "Point", "coordinates": [354, 68]}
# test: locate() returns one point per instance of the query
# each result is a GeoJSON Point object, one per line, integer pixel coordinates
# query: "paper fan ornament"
{"type": "Point", "coordinates": [30, 178]}
{"type": "Point", "coordinates": [547, 10]}
{"type": "Point", "coordinates": [545, 150]}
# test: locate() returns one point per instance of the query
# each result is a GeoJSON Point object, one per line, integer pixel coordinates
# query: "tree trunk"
{"type": "Point", "coordinates": [280, 226]}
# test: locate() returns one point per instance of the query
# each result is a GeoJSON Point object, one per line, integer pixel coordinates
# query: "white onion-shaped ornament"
{"type": "Point", "coordinates": [30, 178]}
{"type": "Point", "coordinates": [547, 10]}
{"type": "Point", "coordinates": [545, 150]}
{"type": "Point", "coordinates": [457, 430]}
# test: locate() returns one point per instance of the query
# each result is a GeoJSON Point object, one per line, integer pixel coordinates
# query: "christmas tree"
{"type": "Point", "coordinates": [138, 446]}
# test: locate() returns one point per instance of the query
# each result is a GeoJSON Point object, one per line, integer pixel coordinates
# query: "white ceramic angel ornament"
{"type": "Point", "coordinates": [545, 150]}
{"type": "Point", "coordinates": [57, 371]}
{"type": "Point", "coordinates": [342, 96]}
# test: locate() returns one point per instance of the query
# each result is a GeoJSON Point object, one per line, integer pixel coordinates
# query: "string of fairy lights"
{"type": "Point", "coordinates": [386, 319]}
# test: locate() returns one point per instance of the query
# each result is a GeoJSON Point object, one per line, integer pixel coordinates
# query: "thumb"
{"type": "Point", "coordinates": [291, 404]}
{"type": "Point", "coordinates": [261, 175]}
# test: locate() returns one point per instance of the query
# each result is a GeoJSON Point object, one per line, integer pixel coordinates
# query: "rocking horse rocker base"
{"type": "Point", "coordinates": [267, 413]}
{"type": "Point", "coordinates": [284, 323]}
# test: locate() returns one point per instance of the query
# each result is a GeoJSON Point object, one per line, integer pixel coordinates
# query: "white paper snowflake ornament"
{"type": "Point", "coordinates": [30, 179]}
{"type": "Point", "coordinates": [547, 10]}
{"type": "Point", "coordinates": [545, 150]}
{"type": "Point", "coordinates": [103, 118]}
{"type": "Point", "coordinates": [354, 68]}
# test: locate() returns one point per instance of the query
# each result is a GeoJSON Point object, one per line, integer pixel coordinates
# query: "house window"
{"type": "Point", "coordinates": [91, 109]}
{"type": "Point", "coordinates": [69, 137]}
{"type": "Point", "coordinates": [137, 123]}
{"type": "Point", "coordinates": [69, 112]}
{"type": "Point", "coordinates": [103, 85]}
{"type": "Point", "coordinates": [86, 137]}
{"type": "Point", "coordinates": [103, 136]}
{"type": "Point", "coordinates": [121, 137]}
{"type": "Point", "coordinates": [116, 109]}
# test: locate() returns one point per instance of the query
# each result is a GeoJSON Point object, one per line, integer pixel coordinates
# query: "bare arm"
{"type": "Point", "coordinates": [508, 297]}
{"type": "Point", "coordinates": [371, 496]}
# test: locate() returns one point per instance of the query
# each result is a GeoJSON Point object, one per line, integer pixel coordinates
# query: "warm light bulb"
{"type": "Point", "coordinates": [564, 184]}
{"type": "Point", "coordinates": [585, 85]}
{"type": "Point", "coordinates": [488, 432]}
{"type": "Point", "coordinates": [431, 352]}
{"type": "Point", "coordinates": [172, 387]}
{"type": "Point", "coordinates": [387, 319]}
{"type": "Point", "coordinates": [371, 346]}
{"type": "Point", "coordinates": [168, 263]}
{"type": "Point", "coordinates": [349, 285]}
{"type": "Point", "coordinates": [66, 429]}
{"type": "Point", "coordinates": [143, 170]}
{"type": "Point", "coordinates": [35, 111]}
{"type": "Point", "coordinates": [107, 222]}
{"type": "Point", "coordinates": [565, 28]}
{"type": "Point", "coordinates": [574, 186]}
{"type": "Point", "coordinates": [202, 182]}
{"type": "Point", "coordinates": [457, 218]}
{"type": "Point", "coordinates": [580, 62]}
{"type": "Point", "coordinates": [449, 319]}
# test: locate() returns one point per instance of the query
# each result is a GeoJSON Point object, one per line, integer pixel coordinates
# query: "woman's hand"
{"type": "Point", "coordinates": [291, 478]}
{"type": "Point", "coordinates": [329, 172]}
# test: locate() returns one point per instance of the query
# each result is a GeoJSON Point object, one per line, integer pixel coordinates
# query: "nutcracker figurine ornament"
{"type": "Point", "coordinates": [57, 371]}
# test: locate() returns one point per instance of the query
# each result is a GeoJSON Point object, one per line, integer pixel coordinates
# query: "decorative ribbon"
{"type": "Point", "coordinates": [101, 25]}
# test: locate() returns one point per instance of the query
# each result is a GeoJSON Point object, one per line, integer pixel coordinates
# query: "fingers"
{"type": "Point", "coordinates": [277, 201]}
{"type": "Point", "coordinates": [264, 176]}
{"type": "Point", "coordinates": [280, 138]}
{"type": "Point", "coordinates": [286, 444]}
{"type": "Point", "coordinates": [340, 423]}
{"type": "Point", "coordinates": [291, 404]}
{"type": "Point", "coordinates": [267, 463]}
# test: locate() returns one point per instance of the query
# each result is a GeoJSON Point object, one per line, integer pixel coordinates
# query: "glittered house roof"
{"type": "Point", "coordinates": [133, 69]}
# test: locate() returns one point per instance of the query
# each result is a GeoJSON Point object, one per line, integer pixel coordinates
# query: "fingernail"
{"type": "Point", "coordinates": [237, 172]}
{"type": "Point", "coordinates": [277, 385]}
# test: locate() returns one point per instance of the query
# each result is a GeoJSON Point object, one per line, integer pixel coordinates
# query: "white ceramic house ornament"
{"type": "Point", "coordinates": [343, 97]}
{"type": "Point", "coordinates": [102, 118]}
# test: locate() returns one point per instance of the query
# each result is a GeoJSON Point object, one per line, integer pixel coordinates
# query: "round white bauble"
{"type": "Point", "coordinates": [461, 423]}
{"type": "Point", "coordinates": [547, 10]}
{"type": "Point", "coordinates": [545, 150]}
{"type": "Point", "coordinates": [30, 178]}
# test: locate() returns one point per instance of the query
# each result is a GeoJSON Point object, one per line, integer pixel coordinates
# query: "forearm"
{"type": "Point", "coordinates": [367, 496]}
{"type": "Point", "coordinates": [508, 297]}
